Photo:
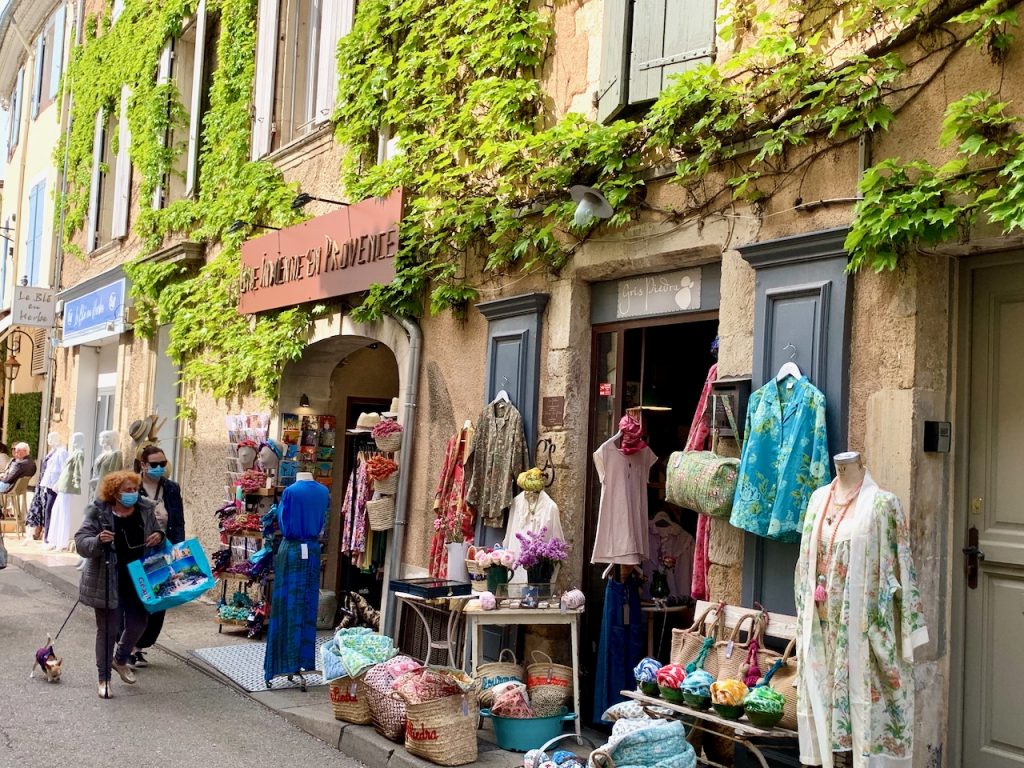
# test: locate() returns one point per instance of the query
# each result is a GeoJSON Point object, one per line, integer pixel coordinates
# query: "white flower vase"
{"type": "Point", "coordinates": [457, 551]}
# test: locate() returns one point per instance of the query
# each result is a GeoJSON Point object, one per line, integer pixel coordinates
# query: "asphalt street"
{"type": "Point", "coordinates": [174, 716]}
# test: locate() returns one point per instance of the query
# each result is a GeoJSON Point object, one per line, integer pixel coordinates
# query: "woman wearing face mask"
{"type": "Point", "coordinates": [119, 526]}
{"type": "Point", "coordinates": [166, 495]}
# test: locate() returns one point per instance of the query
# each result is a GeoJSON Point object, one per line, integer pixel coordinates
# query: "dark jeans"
{"type": "Point", "coordinates": [108, 622]}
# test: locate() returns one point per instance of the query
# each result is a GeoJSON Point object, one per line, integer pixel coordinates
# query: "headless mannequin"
{"type": "Point", "coordinates": [270, 461]}
{"type": "Point", "coordinates": [69, 484]}
{"type": "Point", "coordinates": [849, 471]}
{"type": "Point", "coordinates": [304, 476]}
{"type": "Point", "coordinates": [246, 457]}
{"type": "Point", "coordinates": [49, 471]}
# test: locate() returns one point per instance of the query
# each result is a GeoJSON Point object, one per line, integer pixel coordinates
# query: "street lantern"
{"type": "Point", "coordinates": [11, 367]}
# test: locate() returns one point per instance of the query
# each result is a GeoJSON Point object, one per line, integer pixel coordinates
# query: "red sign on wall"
{"type": "Point", "coordinates": [604, 389]}
{"type": "Point", "coordinates": [345, 251]}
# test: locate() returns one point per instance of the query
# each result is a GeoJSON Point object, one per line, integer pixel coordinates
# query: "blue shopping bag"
{"type": "Point", "coordinates": [171, 575]}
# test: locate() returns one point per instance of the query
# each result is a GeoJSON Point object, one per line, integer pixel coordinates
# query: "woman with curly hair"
{"type": "Point", "coordinates": [119, 526]}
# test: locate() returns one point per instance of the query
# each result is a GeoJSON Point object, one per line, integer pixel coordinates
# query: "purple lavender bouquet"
{"type": "Point", "coordinates": [539, 555]}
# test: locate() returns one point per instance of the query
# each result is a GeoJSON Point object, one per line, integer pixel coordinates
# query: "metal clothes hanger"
{"type": "Point", "coordinates": [789, 368]}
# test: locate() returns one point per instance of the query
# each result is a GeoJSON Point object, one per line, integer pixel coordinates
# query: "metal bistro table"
{"type": "Point", "coordinates": [453, 606]}
{"type": "Point", "coordinates": [477, 619]}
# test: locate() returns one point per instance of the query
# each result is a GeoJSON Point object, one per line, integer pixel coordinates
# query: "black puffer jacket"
{"type": "Point", "coordinates": [99, 516]}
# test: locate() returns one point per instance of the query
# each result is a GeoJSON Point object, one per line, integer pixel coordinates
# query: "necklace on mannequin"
{"type": "Point", "coordinates": [824, 557]}
{"type": "Point", "coordinates": [532, 498]}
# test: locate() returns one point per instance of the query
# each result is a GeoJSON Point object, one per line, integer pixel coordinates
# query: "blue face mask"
{"type": "Point", "coordinates": [156, 472]}
{"type": "Point", "coordinates": [129, 499]}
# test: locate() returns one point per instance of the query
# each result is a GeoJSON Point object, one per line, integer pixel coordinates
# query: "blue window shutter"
{"type": "Point", "coordinates": [5, 243]}
{"type": "Point", "coordinates": [37, 74]}
{"type": "Point", "coordinates": [668, 37]}
{"type": "Point", "coordinates": [57, 62]}
{"type": "Point", "coordinates": [27, 264]}
{"type": "Point", "coordinates": [16, 108]}
{"type": "Point", "coordinates": [614, 82]}
{"type": "Point", "coordinates": [37, 235]}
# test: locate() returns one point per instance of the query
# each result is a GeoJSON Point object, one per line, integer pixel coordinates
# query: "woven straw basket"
{"type": "Point", "coordinates": [443, 731]}
{"type": "Point", "coordinates": [782, 681]}
{"type": "Point", "coordinates": [686, 643]}
{"type": "Point", "coordinates": [348, 700]}
{"type": "Point", "coordinates": [549, 685]}
{"type": "Point", "coordinates": [387, 711]}
{"type": "Point", "coordinates": [500, 671]}
{"type": "Point", "coordinates": [388, 486]}
{"type": "Point", "coordinates": [389, 443]}
{"type": "Point", "coordinates": [381, 513]}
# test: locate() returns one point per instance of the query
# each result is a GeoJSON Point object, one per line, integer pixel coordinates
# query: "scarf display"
{"type": "Point", "coordinates": [631, 430]}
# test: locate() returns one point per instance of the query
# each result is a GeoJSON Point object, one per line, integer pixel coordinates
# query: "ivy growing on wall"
{"type": "Point", "coordinates": [486, 165]}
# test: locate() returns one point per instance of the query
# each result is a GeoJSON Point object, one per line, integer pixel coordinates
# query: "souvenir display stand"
{"type": "Point", "coordinates": [741, 731]}
{"type": "Point", "coordinates": [243, 544]}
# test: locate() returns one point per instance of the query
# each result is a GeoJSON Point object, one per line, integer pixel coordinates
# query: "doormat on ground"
{"type": "Point", "coordinates": [243, 663]}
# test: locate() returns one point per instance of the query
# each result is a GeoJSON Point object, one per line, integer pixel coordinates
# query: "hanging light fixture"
{"type": "Point", "coordinates": [11, 367]}
{"type": "Point", "coordinates": [304, 401]}
{"type": "Point", "coordinates": [591, 205]}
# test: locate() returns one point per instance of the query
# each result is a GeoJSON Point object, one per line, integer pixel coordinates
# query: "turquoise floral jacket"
{"type": "Point", "coordinates": [785, 458]}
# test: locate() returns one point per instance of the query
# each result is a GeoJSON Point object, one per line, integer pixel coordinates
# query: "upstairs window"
{"type": "Point", "coordinates": [111, 184]}
{"type": "Point", "coordinates": [14, 113]}
{"type": "Point", "coordinates": [31, 266]}
{"type": "Point", "coordinates": [296, 68]}
{"type": "Point", "coordinates": [643, 43]}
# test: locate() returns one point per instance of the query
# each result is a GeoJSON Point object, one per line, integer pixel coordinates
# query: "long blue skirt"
{"type": "Point", "coordinates": [291, 638]}
{"type": "Point", "coordinates": [621, 646]}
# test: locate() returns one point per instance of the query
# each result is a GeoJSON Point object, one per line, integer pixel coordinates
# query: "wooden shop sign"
{"type": "Point", "coordinates": [345, 251]}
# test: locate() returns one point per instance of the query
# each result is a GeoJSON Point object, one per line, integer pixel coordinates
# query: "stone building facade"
{"type": "Point", "coordinates": [893, 351]}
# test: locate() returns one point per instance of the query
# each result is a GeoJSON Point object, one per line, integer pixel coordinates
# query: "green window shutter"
{"type": "Point", "coordinates": [669, 36]}
{"type": "Point", "coordinates": [611, 96]}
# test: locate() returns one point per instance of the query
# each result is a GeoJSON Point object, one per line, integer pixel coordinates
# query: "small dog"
{"type": "Point", "coordinates": [48, 662]}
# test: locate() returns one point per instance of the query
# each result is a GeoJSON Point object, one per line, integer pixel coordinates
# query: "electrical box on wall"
{"type": "Point", "coordinates": [734, 390]}
{"type": "Point", "coordinates": [937, 436]}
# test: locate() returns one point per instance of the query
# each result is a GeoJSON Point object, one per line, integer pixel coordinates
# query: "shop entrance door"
{"type": "Point", "coordinates": [659, 365]}
{"type": "Point", "coordinates": [993, 672]}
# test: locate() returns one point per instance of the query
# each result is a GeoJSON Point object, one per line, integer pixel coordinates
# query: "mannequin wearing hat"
{"type": "Point", "coordinates": [108, 461]}
{"type": "Point", "coordinates": [69, 483]}
{"type": "Point", "coordinates": [246, 453]}
{"type": "Point", "coordinates": [49, 471]}
{"type": "Point", "coordinates": [531, 511]}
{"type": "Point", "coordinates": [270, 455]}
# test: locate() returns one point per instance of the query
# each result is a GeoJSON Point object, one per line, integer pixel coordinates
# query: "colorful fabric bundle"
{"type": "Point", "coordinates": [764, 699]}
{"type": "Point", "coordinates": [380, 467]}
{"type": "Point", "coordinates": [671, 676]}
{"type": "Point", "coordinates": [729, 692]}
{"type": "Point", "coordinates": [431, 683]}
{"type": "Point", "coordinates": [385, 428]}
{"type": "Point", "coordinates": [647, 670]}
{"type": "Point", "coordinates": [359, 648]}
{"type": "Point", "coordinates": [698, 683]}
{"type": "Point", "coordinates": [512, 703]}
{"type": "Point", "coordinates": [646, 744]}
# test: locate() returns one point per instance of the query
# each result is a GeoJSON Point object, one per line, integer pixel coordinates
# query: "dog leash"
{"type": "Point", "coordinates": [66, 620]}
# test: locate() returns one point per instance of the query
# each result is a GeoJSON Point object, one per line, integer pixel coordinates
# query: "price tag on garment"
{"type": "Point", "coordinates": [728, 650]}
{"type": "Point", "coordinates": [625, 615]}
{"type": "Point", "coordinates": [305, 551]}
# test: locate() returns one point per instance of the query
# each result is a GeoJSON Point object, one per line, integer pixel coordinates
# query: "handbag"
{"type": "Point", "coordinates": [702, 480]}
{"type": "Point", "coordinates": [733, 655]}
{"type": "Point", "coordinates": [781, 677]}
{"type": "Point", "coordinates": [687, 644]}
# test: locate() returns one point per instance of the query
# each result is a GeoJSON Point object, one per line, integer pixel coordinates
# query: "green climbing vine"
{"type": "Point", "coordinates": [485, 160]}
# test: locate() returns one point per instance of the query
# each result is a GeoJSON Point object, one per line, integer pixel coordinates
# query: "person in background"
{"type": "Point", "coordinates": [22, 466]}
{"type": "Point", "coordinates": [152, 464]}
{"type": "Point", "coordinates": [118, 528]}
{"type": "Point", "coordinates": [5, 457]}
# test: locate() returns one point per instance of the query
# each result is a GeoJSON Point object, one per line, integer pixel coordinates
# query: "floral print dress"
{"type": "Point", "coordinates": [855, 689]}
{"type": "Point", "coordinates": [453, 517]}
{"type": "Point", "coordinates": [785, 457]}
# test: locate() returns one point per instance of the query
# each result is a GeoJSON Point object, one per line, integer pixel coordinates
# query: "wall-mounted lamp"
{"type": "Point", "coordinates": [304, 401]}
{"type": "Point", "coordinates": [11, 364]}
{"type": "Point", "coordinates": [303, 199]}
{"type": "Point", "coordinates": [240, 226]}
{"type": "Point", "coordinates": [591, 205]}
{"type": "Point", "coordinates": [11, 367]}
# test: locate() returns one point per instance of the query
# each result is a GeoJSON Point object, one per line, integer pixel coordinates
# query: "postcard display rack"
{"type": "Point", "coordinates": [309, 441]}
{"type": "Point", "coordinates": [238, 590]}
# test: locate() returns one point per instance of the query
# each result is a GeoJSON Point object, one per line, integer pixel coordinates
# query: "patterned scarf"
{"type": "Point", "coordinates": [632, 442]}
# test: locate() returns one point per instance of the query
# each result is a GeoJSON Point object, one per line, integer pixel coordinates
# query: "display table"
{"type": "Point", "coordinates": [651, 611]}
{"type": "Point", "coordinates": [477, 619]}
{"type": "Point", "coordinates": [741, 731]}
{"type": "Point", "coordinates": [453, 606]}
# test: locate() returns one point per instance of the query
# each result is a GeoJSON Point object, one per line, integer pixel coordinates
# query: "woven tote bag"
{"type": "Point", "coordinates": [443, 730]}
{"type": "Point", "coordinates": [387, 712]}
{"type": "Point", "coordinates": [781, 676]}
{"type": "Point", "coordinates": [687, 643]}
{"type": "Point", "coordinates": [497, 672]}
{"type": "Point", "coordinates": [348, 700]}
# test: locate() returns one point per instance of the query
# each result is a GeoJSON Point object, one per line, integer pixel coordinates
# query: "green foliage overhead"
{"type": "Point", "coordinates": [485, 164]}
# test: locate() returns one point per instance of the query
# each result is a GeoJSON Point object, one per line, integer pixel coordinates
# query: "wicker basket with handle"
{"type": "Point", "coordinates": [549, 685]}
{"type": "Point", "coordinates": [381, 513]}
{"type": "Point", "coordinates": [687, 643]}
{"type": "Point", "coordinates": [443, 730]}
{"type": "Point", "coordinates": [782, 678]}
{"type": "Point", "coordinates": [348, 700]}
{"type": "Point", "coordinates": [500, 671]}
{"type": "Point", "coordinates": [389, 443]}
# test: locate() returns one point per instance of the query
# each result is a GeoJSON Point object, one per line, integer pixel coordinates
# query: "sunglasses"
{"type": "Point", "coordinates": [157, 463]}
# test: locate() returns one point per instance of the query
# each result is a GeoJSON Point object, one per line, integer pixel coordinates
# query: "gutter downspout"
{"type": "Point", "coordinates": [412, 382]}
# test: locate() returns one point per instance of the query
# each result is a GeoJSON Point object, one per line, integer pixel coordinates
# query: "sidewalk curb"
{"type": "Point", "coordinates": [314, 717]}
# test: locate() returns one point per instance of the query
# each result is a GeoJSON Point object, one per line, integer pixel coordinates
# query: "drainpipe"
{"type": "Point", "coordinates": [412, 381]}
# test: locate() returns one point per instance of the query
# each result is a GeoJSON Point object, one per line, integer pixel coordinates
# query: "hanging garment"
{"type": "Point", "coordinates": [68, 484]}
{"type": "Point", "coordinates": [450, 500]}
{"type": "Point", "coordinates": [499, 454]}
{"type": "Point", "coordinates": [856, 679]}
{"type": "Point", "coordinates": [291, 637]}
{"type": "Point", "coordinates": [700, 430]}
{"type": "Point", "coordinates": [785, 457]}
{"type": "Point", "coordinates": [358, 491]}
{"type": "Point", "coordinates": [531, 515]}
{"type": "Point", "coordinates": [622, 515]}
{"type": "Point", "coordinates": [106, 462]}
{"type": "Point", "coordinates": [621, 646]}
{"type": "Point", "coordinates": [49, 471]}
{"type": "Point", "coordinates": [675, 542]}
